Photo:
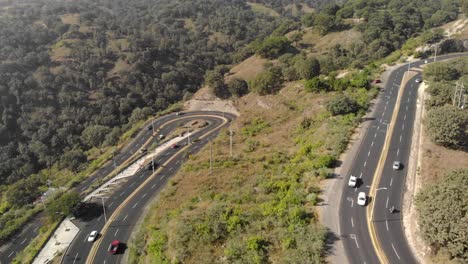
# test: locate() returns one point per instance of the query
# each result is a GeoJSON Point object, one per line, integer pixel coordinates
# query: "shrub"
{"type": "Point", "coordinates": [447, 126]}
{"type": "Point", "coordinates": [237, 87]}
{"type": "Point", "coordinates": [341, 105]}
{"type": "Point", "coordinates": [273, 46]}
{"type": "Point", "coordinates": [267, 82]}
{"type": "Point", "coordinates": [442, 214]}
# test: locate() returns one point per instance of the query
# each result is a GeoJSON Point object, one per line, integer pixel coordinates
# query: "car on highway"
{"type": "Point", "coordinates": [418, 80]}
{"type": "Point", "coordinates": [174, 146]}
{"type": "Point", "coordinates": [352, 181]}
{"type": "Point", "coordinates": [114, 247]}
{"type": "Point", "coordinates": [150, 166]}
{"type": "Point", "coordinates": [150, 127]}
{"type": "Point", "coordinates": [179, 113]}
{"type": "Point", "coordinates": [92, 236]}
{"type": "Point", "coordinates": [362, 199]}
{"type": "Point", "coordinates": [143, 150]}
{"type": "Point", "coordinates": [396, 165]}
{"type": "Point", "coordinates": [161, 136]}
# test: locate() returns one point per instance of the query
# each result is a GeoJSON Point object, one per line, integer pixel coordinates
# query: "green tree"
{"type": "Point", "coordinates": [72, 159]}
{"type": "Point", "coordinates": [267, 82]}
{"type": "Point", "coordinates": [341, 105]}
{"type": "Point", "coordinates": [94, 135]}
{"type": "Point", "coordinates": [443, 214]}
{"type": "Point", "coordinates": [447, 126]}
{"type": "Point", "coordinates": [238, 87]}
{"type": "Point", "coordinates": [63, 205]}
{"type": "Point", "coordinates": [215, 80]}
{"type": "Point", "coordinates": [307, 68]}
{"type": "Point", "coordinates": [464, 6]}
{"type": "Point", "coordinates": [24, 191]}
{"type": "Point", "coordinates": [273, 46]}
{"type": "Point", "coordinates": [324, 23]}
{"type": "Point", "coordinates": [296, 37]}
{"type": "Point", "coordinates": [315, 85]}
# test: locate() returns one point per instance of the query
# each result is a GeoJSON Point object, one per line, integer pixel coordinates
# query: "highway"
{"type": "Point", "coordinates": [355, 220]}
{"type": "Point", "coordinates": [19, 241]}
{"type": "Point", "coordinates": [124, 204]}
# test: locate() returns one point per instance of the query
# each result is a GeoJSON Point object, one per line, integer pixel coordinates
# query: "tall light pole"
{"type": "Point", "coordinates": [104, 209]}
{"type": "Point", "coordinates": [211, 157]}
{"type": "Point", "coordinates": [230, 140]}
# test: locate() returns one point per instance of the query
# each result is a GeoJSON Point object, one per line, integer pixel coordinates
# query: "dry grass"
{"type": "Point", "coordinates": [320, 44]}
{"type": "Point", "coordinates": [193, 189]}
{"type": "Point", "coordinates": [263, 9]}
{"type": "Point", "coordinates": [248, 68]}
{"type": "Point", "coordinates": [120, 66]}
{"type": "Point", "coordinates": [437, 160]}
{"type": "Point", "coordinates": [118, 45]}
{"type": "Point", "coordinates": [71, 19]}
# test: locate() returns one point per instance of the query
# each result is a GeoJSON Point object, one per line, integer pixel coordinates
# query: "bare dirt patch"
{"type": "Point", "coordinates": [70, 19]}
{"type": "Point", "coordinates": [205, 100]}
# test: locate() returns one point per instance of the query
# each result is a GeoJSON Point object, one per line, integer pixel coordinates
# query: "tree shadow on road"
{"type": "Point", "coordinates": [330, 240]}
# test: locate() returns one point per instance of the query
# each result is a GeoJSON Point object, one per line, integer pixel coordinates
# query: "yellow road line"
{"type": "Point", "coordinates": [94, 248]}
{"type": "Point", "coordinates": [378, 174]}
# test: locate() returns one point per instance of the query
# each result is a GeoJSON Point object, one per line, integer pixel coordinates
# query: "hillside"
{"type": "Point", "coordinates": [78, 78]}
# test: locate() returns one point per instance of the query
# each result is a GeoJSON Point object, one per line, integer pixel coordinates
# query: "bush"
{"type": "Point", "coordinates": [238, 87]}
{"type": "Point", "coordinates": [442, 214]}
{"type": "Point", "coordinates": [316, 85]}
{"type": "Point", "coordinates": [273, 46]}
{"type": "Point", "coordinates": [447, 126]}
{"type": "Point", "coordinates": [307, 68]}
{"type": "Point", "coordinates": [341, 105]}
{"type": "Point", "coordinates": [267, 82]}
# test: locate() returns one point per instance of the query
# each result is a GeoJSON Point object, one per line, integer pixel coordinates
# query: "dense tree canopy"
{"type": "Point", "coordinates": [72, 74]}
{"type": "Point", "coordinates": [447, 126]}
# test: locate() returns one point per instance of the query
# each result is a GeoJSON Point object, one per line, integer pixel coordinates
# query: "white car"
{"type": "Point", "coordinates": [418, 80]}
{"type": "Point", "coordinates": [352, 181]}
{"type": "Point", "coordinates": [396, 165]}
{"type": "Point", "coordinates": [92, 236]}
{"type": "Point", "coordinates": [361, 199]}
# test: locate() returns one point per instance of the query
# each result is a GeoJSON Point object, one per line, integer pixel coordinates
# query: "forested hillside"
{"type": "Point", "coordinates": [73, 73]}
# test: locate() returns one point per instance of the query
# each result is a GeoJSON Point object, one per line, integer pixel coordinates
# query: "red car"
{"type": "Point", "coordinates": [377, 81]}
{"type": "Point", "coordinates": [174, 146]}
{"type": "Point", "coordinates": [114, 246]}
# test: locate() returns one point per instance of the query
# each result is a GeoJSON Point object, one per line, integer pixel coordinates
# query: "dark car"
{"type": "Point", "coordinates": [114, 247]}
{"type": "Point", "coordinates": [150, 166]}
{"type": "Point", "coordinates": [377, 81]}
{"type": "Point", "coordinates": [174, 146]}
{"type": "Point", "coordinates": [150, 127]}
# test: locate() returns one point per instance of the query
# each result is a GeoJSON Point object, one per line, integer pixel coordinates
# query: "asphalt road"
{"type": "Point", "coordinates": [123, 224]}
{"type": "Point", "coordinates": [10, 248]}
{"type": "Point", "coordinates": [390, 189]}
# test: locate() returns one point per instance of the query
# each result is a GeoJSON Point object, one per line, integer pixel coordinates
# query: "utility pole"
{"type": "Point", "coordinates": [152, 125]}
{"type": "Point", "coordinates": [435, 55]}
{"type": "Point", "coordinates": [104, 210]}
{"type": "Point", "coordinates": [152, 163]}
{"type": "Point", "coordinates": [211, 157]}
{"type": "Point", "coordinates": [459, 97]}
{"type": "Point", "coordinates": [188, 137]}
{"type": "Point", "coordinates": [230, 141]}
{"type": "Point", "coordinates": [113, 158]}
